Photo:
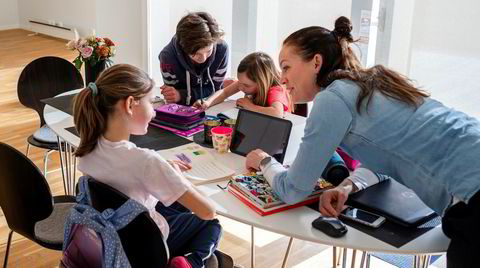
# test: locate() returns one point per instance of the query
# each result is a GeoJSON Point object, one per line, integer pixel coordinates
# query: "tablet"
{"type": "Point", "coordinates": [260, 131]}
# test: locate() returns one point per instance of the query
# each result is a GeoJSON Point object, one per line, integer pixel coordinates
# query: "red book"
{"type": "Point", "coordinates": [253, 190]}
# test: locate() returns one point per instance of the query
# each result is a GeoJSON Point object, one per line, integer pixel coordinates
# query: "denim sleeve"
{"type": "Point", "coordinates": [327, 125]}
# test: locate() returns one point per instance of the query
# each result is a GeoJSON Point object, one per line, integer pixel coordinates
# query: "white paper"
{"type": "Point", "coordinates": [232, 113]}
{"type": "Point", "coordinates": [218, 108]}
{"type": "Point", "coordinates": [204, 166]}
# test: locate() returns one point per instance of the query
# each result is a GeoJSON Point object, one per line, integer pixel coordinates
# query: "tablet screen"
{"type": "Point", "coordinates": [259, 131]}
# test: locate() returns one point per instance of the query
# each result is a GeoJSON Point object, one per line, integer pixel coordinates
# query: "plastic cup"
{"type": "Point", "coordinates": [231, 124]}
{"type": "Point", "coordinates": [207, 129]}
{"type": "Point", "coordinates": [221, 137]}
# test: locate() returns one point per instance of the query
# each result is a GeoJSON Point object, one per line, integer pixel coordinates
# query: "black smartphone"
{"type": "Point", "coordinates": [362, 216]}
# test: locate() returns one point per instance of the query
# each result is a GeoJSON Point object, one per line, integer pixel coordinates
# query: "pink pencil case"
{"type": "Point", "coordinates": [179, 114]}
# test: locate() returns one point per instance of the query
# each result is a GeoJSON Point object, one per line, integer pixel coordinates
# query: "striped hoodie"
{"type": "Point", "coordinates": [193, 81]}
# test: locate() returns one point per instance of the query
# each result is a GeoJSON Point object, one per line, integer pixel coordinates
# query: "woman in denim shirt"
{"type": "Point", "coordinates": [379, 118]}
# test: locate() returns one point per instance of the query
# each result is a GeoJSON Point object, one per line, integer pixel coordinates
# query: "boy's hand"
{"type": "Point", "coordinates": [170, 94]}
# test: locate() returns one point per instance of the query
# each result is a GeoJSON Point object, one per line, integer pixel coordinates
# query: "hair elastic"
{"type": "Point", "coordinates": [94, 88]}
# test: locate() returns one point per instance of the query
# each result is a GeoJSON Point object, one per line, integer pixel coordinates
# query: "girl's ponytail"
{"type": "Point", "coordinates": [89, 121]}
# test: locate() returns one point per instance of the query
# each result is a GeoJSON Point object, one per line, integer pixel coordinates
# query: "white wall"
{"type": "Point", "coordinates": [296, 14]}
{"type": "Point", "coordinates": [445, 58]}
{"type": "Point", "coordinates": [123, 21]}
{"type": "Point", "coordinates": [77, 14]}
{"type": "Point", "coordinates": [158, 35]}
{"type": "Point", "coordinates": [447, 27]}
{"type": "Point", "coordinates": [400, 46]}
{"type": "Point", "coordinates": [8, 14]}
{"type": "Point", "coordinates": [262, 25]}
{"type": "Point", "coordinates": [244, 23]}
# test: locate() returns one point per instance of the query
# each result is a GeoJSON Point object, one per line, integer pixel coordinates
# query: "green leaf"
{"type": "Point", "coordinates": [78, 63]}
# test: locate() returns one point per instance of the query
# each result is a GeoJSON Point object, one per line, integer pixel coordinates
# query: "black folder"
{"type": "Point", "coordinates": [394, 201]}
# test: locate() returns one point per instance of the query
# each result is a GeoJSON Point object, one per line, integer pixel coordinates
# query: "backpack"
{"type": "Point", "coordinates": [91, 238]}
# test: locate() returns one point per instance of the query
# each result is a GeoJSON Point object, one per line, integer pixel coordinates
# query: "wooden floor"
{"type": "Point", "coordinates": [18, 48]}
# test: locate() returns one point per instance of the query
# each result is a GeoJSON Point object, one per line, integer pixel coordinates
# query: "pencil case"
{"type": "Point", "coordinates": [179, 114]}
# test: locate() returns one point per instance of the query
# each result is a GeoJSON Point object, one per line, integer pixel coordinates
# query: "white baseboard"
{"type": "Point", "coordinates": [8, 27]}
{"type": "Point", "coordinates": [63, 32]}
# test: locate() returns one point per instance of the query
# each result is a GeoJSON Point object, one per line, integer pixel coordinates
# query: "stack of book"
{"type": "Point", "coordinates": [180, 119]}
{"type": "Point", "coordinates": [255, 192]}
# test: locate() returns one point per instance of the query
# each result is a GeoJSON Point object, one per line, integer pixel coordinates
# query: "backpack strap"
{"type": "Point", "coordinates": [83, 196]}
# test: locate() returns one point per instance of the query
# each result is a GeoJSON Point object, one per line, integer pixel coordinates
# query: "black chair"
{"type": "Point", "coordinates": [27, 203]}
{"type": "Point", "coordinates": [141, 239]}
{"type": "Point", "coordinates": [301, 109]}
{"type": "Point", "coordinates": [45, 78]}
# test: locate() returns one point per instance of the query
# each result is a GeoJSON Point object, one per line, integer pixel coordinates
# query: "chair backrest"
{"type": "Point", "coordinates": [141, 239]}
{"type": "Point", "coordinates": [45, 78]}
{"type": "Point", "coordinates": [25, 197]}
{"type": "Point", "coordinates": [301, 109]}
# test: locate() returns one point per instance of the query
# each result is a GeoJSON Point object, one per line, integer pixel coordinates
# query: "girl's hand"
{"type": "Point", "coordinates": [198, 104]}
{"type": "Point", "coordinates": [254, 158]}
{"type": "Point", "coordinates": [245, 103]}
{"type": "Point", "coordinates": [170, 94]}
{"type": "Point", "coordinates": [179, 166]}
{"type": "Point", "coordinates": [332, 201]}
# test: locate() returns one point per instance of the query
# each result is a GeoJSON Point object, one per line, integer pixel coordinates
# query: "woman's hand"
{"type": "Point", "coordinates": [179, 166]}
{"type": "Point", "coordinates": [332, 201]}
{"type": "Point", "coordinates": [254, 158]}
{"type": "Point", "coordinates": [202, 106]}
{"type": "Point", "coordinates": [245, 103]}
{"type": "Point", "coordinates": [170, 94]}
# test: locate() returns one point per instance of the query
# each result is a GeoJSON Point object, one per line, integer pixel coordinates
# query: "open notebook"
{"type": "Point", "coordinates": [229, 114]}
{"type": "Point", "coordinates": [205, 169]}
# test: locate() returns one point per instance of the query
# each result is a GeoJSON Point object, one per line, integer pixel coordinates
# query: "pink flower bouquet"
{"type": "Point", "coordinates": [92, 50]}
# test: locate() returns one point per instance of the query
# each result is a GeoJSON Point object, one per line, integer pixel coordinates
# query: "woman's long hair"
{"type": "Point", "coordinates": [92, 107]}
{"type": "Point", "coordinates": [339, 62]}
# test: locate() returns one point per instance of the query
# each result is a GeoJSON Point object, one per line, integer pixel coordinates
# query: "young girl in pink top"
{"type": "Point", "coordinates": [259, 79]}
{"type": "Point", "coordinates": [106, 113]}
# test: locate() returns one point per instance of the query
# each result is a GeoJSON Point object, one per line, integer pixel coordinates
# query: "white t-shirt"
{"type": "Point", "coordinates": [141, 174]}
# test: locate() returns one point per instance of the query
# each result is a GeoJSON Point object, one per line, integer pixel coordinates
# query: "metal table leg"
{"type": "Point", "coordinates": [344, 262]}
{"type": "Point", "coordinates": [68, 164]}
{"type": "Point", "coordinates": [334, 260]}
{"type": "Point", "coordinates": [354, 253]}
{"type": "Point", "coordinates": [362, 262]}
{"type": "Point", "coordinates": [285, 259]}
{"type": "Point", "coordinates": [252, 253]}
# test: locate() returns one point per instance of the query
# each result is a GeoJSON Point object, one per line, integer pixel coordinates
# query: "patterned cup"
{"type": "Point", "coordinates": [207, 129]}
{"type": "Point", "coordinates": [231, 124]}
{"type": "Point", "coordinates": [221, 137]}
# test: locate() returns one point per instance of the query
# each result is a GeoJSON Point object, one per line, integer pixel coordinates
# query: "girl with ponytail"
{"type": "Point", "coordinates": [106, 113]}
